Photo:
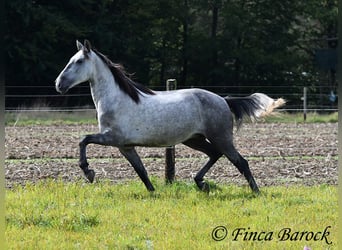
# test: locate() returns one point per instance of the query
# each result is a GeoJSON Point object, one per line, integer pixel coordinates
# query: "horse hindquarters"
{"type": "Point", "coordinates": [224, 144]}
{"type": "Point", "coordinates": [220, 134]}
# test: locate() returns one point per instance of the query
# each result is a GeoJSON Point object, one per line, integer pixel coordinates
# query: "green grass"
{"type": "Point", "coordinates": [58, 215]}
{"type": "Point", "coordinates": [298, 117]}
{"type": "Point", "coordinates": [89, 117]}
{"type": "Point", "coordinates": [49, 118]}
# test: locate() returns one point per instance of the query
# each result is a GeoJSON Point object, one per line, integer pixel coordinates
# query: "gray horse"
{"type": "Point", "coordinates": [129, 115]}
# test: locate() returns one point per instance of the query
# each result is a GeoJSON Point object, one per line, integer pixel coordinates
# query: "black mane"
{"type": "Point", "coordinates": [126, 84]}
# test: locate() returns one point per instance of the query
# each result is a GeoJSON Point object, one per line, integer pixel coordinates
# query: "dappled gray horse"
{"type": "Point", "coordinates": [129, 115]}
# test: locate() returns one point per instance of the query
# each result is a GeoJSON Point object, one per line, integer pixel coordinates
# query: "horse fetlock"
{"type": "Point", "coordinates": [255, 189]}
{"type": "Point", "coordinates": [253, 184]}
{"type": "Point", "coordinates": [83, 165]}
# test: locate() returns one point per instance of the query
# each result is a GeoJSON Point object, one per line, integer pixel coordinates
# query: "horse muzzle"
{"type": "Point", "coordinates": [62, 85]}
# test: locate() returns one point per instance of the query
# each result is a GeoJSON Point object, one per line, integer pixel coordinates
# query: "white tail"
{"type": "Point", "coordinates": [254, 106]}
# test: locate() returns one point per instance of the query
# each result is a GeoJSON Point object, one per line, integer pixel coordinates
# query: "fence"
{"type": "Point", "coordinates": [28, 98]}
{"type": "Point", "coordinates": [44, 96]}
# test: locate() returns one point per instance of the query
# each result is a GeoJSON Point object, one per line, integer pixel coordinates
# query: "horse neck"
{"type": "Point", "coordinates": [104, 89]}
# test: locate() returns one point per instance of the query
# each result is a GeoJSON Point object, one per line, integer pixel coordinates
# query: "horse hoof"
{"type": "Point", "coordinates": [90, 175]}
{"type": "Point", "coordinates": [205, 187]}
{"type": "Point", "coordinates": [257, 192]}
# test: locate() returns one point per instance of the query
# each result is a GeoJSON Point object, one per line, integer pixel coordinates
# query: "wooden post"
{"type": "Point", "coordinates": [304, 103]}
{"type": "Point", "coordinates": [171, 84]}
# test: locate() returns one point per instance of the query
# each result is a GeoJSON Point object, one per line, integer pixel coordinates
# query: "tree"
{"type": "Point", "coordinates": [201, 43]}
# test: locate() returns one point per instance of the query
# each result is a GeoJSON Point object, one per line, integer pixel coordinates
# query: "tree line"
{"type": "Point", "coordinates": [198, 42]}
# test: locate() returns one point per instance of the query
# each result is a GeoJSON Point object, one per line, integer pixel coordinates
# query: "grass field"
{"type": "Point", "coordinates": [86, 117]}
{"type": "Point", "coordinates": [58, 215]}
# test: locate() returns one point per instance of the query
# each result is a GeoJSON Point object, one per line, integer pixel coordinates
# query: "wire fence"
{"type": "Point", "coordinates": [45, 98]}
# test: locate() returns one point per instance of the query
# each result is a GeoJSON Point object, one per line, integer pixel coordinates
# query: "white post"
{"type": "Point", "coordinates": [171, 84]}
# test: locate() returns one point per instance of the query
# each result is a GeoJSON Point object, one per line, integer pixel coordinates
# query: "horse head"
{"type": "Point", "coordinates": [79, 68]}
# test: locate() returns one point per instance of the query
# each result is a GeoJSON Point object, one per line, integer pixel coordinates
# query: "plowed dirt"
{"type": "Point", "coordinates": [278, 154]}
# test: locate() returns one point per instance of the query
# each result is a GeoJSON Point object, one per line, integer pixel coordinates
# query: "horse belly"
{"type": "Point", "coordinates": [163, 130]}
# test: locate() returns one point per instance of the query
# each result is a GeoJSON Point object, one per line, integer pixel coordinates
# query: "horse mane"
{"type": "Point", "coordinates": [126, 84]}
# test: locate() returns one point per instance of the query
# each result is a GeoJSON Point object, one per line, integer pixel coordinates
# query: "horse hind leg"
{"type": "Point", "coordinates": [242, 165]}
{"type": "Point", "coordinates": [201, 144]}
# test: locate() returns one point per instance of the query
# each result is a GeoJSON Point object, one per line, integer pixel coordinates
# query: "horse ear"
{"type": "Point", "coordinates": [87, 46]}
{"type": "Point", "coordinates": [79, 45]}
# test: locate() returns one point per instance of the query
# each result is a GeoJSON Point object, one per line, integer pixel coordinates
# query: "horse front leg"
{"type": "Point", "coordinates": [101, 139]}
{"type": "Point", "coordinates": [132, 156]}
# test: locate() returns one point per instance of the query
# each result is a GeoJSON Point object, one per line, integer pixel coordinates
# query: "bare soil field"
{"type": "Point", "coordinates": [278, 154]}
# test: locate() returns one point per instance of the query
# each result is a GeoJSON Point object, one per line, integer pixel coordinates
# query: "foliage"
{"type": "Point", "coordinates": [201, 43]}
{"type": "Point", "coordinates": [178, 216]}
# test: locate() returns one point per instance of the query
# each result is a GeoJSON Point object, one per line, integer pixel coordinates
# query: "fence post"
{"type": "Point", "coordinates": [171, 84]}
{"type": "Point", "coordinates": [305, 102]}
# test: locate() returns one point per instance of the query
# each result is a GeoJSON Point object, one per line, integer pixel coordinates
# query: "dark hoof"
{"type": "Point", "coordinates": [205, 187]}
{"type": "Point", "coordinates": [90, 175]}
{"type": "Point", "coordinates": [256, 191]}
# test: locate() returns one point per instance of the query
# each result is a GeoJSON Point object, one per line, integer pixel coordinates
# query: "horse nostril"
{"type": "Point", "coordinates": [62, 84]}
{"type": "Point", "coordinates": [59, 85]}
{"type": "Point", "coordinates": [58, 88]}
{"type": "Point", "coordinates": [62, 78]}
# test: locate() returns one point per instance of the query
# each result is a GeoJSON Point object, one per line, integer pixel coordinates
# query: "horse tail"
{"type": "Point", "coordinates": [254, 106]}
